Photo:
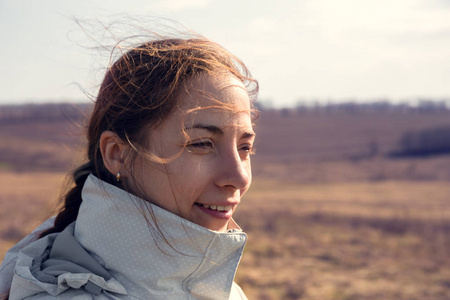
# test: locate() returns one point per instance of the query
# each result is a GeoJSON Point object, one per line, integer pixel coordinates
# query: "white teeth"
{"type": "Point", "coordinates": [218, 207]}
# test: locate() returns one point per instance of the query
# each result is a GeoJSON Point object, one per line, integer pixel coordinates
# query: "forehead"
{"type": "Point", "coordinates": [209, 103]}
{"type": "Point", "coordinates": [218, 101]}
{"type": "Point", "coordinates": [225, 92]}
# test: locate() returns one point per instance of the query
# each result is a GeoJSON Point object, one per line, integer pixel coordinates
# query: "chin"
{"type": "Point", "coordinates": [216, 227]}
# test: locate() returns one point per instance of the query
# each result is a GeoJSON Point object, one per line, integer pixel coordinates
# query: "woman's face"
{"type": "Point", "coordinates": [208, 146]}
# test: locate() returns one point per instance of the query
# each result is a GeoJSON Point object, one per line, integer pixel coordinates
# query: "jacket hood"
{"type": "Point", "coordinates": [57, 263]}
{"type": "Point", "coordinates": [117, 247]}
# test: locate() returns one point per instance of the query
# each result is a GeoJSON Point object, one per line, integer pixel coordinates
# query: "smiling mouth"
{"type": "Point", "coordinates": [223, 208]}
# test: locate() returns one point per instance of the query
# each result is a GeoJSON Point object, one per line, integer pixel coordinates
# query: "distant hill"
{"type": "Point", "coordinates": [49, 112]}
{"type": "Point", "coordinates": [303, 144]}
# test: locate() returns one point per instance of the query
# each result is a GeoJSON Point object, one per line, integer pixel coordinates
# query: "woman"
{"type": "Point", "coordinates": [150, 213]}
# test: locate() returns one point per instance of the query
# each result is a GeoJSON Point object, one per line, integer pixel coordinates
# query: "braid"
{"type": "Point", "coordinates": [72, 200]}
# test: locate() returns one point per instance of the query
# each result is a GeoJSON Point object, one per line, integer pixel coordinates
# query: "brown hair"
{"type": "Point", "coordinates": [139, 91]}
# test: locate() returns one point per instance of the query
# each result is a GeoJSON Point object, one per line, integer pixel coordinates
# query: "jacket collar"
{"type": "Point", "coordinates": [155, 253]}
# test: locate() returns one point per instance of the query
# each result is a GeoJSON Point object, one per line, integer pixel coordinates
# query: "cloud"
{"type": "Point", "coordinates": [377, 17]}
{"type": "Point", "coordinates": [346, 48]}
{"type": "Point", "coordinates": [180, 5]}
{"type": "Point", "coordinates": [262, 25]}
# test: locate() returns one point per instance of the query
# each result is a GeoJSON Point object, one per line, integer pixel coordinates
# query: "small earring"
{"type": "Point", "coordinates": [118, 176]}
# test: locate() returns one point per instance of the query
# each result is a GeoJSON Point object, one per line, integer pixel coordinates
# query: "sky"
{"type": "Point", "coordinates": [300, 51]}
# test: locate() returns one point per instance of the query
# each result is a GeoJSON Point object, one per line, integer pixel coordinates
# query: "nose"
{"type": "Point", "coordinates": [233, 171]}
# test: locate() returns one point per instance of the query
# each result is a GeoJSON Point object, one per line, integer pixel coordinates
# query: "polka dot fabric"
{"type": "Point", "coordinates": [118, 231]}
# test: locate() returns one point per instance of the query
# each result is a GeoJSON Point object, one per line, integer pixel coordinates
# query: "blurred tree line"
{"type": "Point", "coordinates": [75, 111]}
{"type": "Point", "coordinates": [305, 107]}
{"type": "Point", "coordinates": [431, 141]}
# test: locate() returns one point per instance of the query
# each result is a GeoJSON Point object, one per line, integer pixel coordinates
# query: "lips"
{"type": "Point", "coordinates": [223, 208]}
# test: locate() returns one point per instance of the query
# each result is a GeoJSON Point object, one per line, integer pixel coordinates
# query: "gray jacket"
{"type": "Point", "coordinates": [114, 251]}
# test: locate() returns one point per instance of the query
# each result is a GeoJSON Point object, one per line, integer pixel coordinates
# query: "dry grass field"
{"type": "Point", "coordinates": [329, 215]}
{"type": "Point", "coordinates": [26, 199]}
{"type": "Point", "coordinates": [360, 240]}
{"type": "Point", "coordinates": [364, 240]}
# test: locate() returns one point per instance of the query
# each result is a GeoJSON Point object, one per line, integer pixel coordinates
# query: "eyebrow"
{"type": "Point", "coordinates": [216, 130]}
{"type": "Point", "coordinates": [210, 128]}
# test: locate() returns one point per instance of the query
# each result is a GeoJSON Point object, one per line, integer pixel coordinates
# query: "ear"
{"type": "Point", "coordinates": [113, 149]}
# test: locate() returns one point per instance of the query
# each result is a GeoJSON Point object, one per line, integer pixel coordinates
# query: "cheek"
{"type": "Point", "coordinates": [187, 176]}
{"type": "Point", "coordinates": [154, 182]}
{"type": "Point", "coordinates": [150, 181]}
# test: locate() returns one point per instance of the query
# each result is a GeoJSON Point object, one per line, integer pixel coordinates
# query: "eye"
{"type": "Point", "coordinates": [246, 150]}
{"type": "Point", "coordinates": [202, 146]}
